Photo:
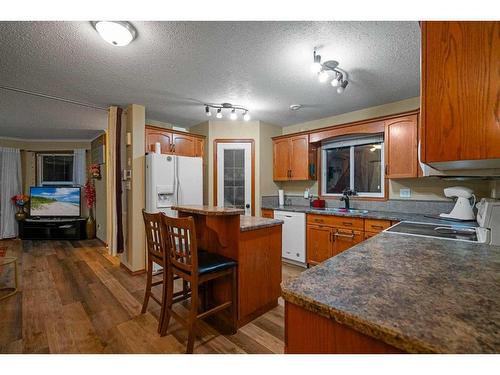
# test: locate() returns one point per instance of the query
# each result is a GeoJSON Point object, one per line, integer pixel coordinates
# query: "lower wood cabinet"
{"type": "Point", "coordinates": [265, 212]}
{"type": "Point", "coordinates": [329, 235]}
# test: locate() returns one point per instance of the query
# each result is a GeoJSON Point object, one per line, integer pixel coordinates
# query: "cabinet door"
{"type": "Point", "coordinates": [319, 243]}
{"type": "Point", "coordinates": [299, 157]}
{"type": "Point", "coordinates": [460, 90]}
{"type": "Point", "coordinates": [184, 145]}
{"type": "Point", "coordinates": [401, 147]}
{"type": "Point", "coordinates": [199, 147]}
{"type": "Point", "coordinates": [281, 159]}
{"type": "Point", "coordinates": [344, 239]}
{"type": "Point", "coordinates": [153, 136]}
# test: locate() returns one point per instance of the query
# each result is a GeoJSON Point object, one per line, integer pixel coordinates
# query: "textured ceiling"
{"type": "Point", "coordinates": [172, 67]}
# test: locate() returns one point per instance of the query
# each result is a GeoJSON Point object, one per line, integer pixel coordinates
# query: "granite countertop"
{"type": "Point", "coordinates": [418, 294]}
{"type": "Point", "coordinates": [372, 214]}
{"type": "Point", "coordinates": [209, 210]}
{"type": "Point", "coordinates": [248, 223]}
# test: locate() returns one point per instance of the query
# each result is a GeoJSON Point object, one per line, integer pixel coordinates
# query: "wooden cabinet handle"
{"type": "Point", "coordinates": [386, 169]}
{"type": "Point", "coordinates": [319, 220]}
{"type": "Point", "coordinates": [347, 224]}
{"type": "Point", "coordinates": [377, 226]}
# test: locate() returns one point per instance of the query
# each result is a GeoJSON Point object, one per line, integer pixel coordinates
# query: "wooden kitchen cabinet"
{"type": "Point", "coordinates": [344, 239]}
{"type": "Point", "coordinates": [292, 158]}
{"type": "Point", "coordinates": [401, 147]}
{"type": "Point", "coordinates": [154, 135]}
{"type": "Point", "coordinates": [319, 244]}
{"type": "Point", "coordinates": [174, 142]}
{"type": "Point", "coordinates": [265, 212]}
{"type": "Point", "coordinates": [460, 110]}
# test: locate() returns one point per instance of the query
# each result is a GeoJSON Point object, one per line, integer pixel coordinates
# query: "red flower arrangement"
{"type": "Point", "coordinates": [89, 189]}
{"type": "Point", "coordinates": [20, 200]}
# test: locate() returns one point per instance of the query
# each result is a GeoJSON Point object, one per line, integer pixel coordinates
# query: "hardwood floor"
{"type": "Point", "coordinates": [74, 298]}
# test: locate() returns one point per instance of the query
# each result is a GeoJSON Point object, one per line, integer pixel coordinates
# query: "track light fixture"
{"type": "Point", "coordinates": [232, 108]}
{"type": "Point", "coordinates": [323, 71]}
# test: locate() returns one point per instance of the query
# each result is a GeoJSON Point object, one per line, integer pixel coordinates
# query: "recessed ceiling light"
{"type": "Point", "coordinates": [117, 33]}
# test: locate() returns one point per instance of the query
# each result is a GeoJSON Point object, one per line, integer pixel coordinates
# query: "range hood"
{"type": "Point", "coordinates": [471, 169]}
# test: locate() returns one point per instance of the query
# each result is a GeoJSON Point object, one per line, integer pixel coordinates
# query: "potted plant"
{"type": "Point", "coordinates": [20, 201]}
{"type": "Point", "coordinates": [89, 189]}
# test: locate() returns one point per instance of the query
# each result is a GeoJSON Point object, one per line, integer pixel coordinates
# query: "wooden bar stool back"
{"type": "Point", "coordinates": [155, 242]}
{"type": "Point", "coordinates": [197, 267]}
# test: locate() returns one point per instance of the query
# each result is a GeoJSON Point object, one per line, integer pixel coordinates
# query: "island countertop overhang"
{"type": "Point", "coordinates": [417, 294]}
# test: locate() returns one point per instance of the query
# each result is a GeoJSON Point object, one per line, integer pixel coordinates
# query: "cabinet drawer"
{"type": "Point", "coordinates": [336, 221]}
{"type": "Point", "coordinates": [369, 235]}
{"type": "Point", "coordinates": [374, 225]}
{"type": "Point", "coordinates": [267, 213]}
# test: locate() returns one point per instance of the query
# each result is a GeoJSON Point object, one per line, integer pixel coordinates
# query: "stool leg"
{"type": "Point", "coordinates": [164, 293]}
{"type": "Point", "coordinates": [147, 293]}
{"type": "Point", "coordinates": [234, 305]}
{"type": "Point", "coordinates": [192, 318]}
{"type": "Point", "coordinates": [168, 301]}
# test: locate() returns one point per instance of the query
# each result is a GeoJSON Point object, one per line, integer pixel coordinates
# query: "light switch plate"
{"type": "Point", "coordinates": [405, 193]}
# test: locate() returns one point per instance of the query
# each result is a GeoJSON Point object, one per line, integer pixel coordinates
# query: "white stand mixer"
{"type": "Point", "coordinates": [463, 207]}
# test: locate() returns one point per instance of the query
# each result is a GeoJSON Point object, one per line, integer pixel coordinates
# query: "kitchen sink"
{"type": "Point", "coordinates": [343, 210]}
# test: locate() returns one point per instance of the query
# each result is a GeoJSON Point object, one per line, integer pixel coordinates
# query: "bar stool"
{"type": "Point", "coordinates": [156, 253]}
{"type": "Point", "coordinates": [197, 267]}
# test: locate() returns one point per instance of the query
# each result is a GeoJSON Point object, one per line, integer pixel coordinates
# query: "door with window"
{"type": "Point", "coordinates": [234, 175]}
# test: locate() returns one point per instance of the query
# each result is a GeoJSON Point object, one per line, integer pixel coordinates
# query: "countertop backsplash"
{"type": "Point", "coordinates": [424, 207]}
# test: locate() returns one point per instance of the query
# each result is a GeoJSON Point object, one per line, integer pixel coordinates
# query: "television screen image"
{"type": "Point", "coordinates": [55, 201]}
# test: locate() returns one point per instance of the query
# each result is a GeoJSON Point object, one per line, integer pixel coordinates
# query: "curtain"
{"type": "Point", "coordinates": [79, 167]}
{"type": "Point", "coordinates": [10, 185]}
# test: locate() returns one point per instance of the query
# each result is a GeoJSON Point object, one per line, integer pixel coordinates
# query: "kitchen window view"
{"type": "Point", "coordinates": [355, 164]}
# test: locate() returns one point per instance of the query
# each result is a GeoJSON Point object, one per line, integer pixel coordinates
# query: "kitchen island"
{"type": "Point", "coordinates": [255, 243]}
{"type": "Point", "coordinates": [396, 293]}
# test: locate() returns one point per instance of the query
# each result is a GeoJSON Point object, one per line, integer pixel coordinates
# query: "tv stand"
{"type": "Point", "coordinates": [56, 228]}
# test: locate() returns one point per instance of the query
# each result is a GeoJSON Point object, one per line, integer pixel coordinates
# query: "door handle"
{"type": "Point", "coordinates": [247, 205]}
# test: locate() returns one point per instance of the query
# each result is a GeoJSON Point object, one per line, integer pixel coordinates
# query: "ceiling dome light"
{"type": "Point", "coordinates": [219, 113]}
{"type": "Point", "coordinates": [233, 115]}
{"type": "Point", "coordinates": [246, 116]}
{"type": "Point", "coordinates": [207, 111]}
{"type": "Point", "coordinates": [117, 33]}
{"type": "Point", "coordinates": [323, 76]}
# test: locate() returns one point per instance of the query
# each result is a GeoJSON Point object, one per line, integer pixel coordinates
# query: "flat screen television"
{"type": "Point", "coordinates": [55, 201]}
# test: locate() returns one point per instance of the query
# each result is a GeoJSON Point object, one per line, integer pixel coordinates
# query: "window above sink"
{"type": "Point", "coordinates": [354, 163]}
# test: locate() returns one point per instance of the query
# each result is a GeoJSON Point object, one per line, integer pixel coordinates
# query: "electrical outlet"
{"type": "Point", "coordinates": [404, 193]}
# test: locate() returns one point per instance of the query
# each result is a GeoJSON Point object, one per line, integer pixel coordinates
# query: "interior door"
{"type": "Point", "coordinates": [234, 176]}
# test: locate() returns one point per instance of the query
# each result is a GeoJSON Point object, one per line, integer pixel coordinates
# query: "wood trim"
{"type": "Point", "coordinates": [133, 273]}
{"type": "Point", "coordinates": [423, 78]}
{"type": "Point", "coordinates": [313, 138]}
{"type": "Point", "coordinates": [174, 131]}
{"type": "Point", "coordinates": [246, 140]}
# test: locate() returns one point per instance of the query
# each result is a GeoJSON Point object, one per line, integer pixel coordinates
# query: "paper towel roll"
{"type": "Point", "coordinates": [281, 197]}
{"type": "Point", "coordinates": [157, 148]}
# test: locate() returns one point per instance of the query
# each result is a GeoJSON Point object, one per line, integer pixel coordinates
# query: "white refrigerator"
{"type": "Point", "coordinates": [172, 180]}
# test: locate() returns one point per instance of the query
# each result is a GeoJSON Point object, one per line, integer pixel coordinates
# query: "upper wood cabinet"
{"type": "Point", "coordinates": [292, 158]}
{"type": "Point", "coordinates": [401, 147]}
{"type": "Point", "coordinates": [460, 92]}
{"type": "Point", "coordinates": [174, 142]}
{"type": "Point", "coordinates": [154, 135]}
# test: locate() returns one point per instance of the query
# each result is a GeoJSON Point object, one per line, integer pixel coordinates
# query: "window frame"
{"type": "Point", "coordinates": [352, 142]}
{"type": "Point", "coordinates": [39, 160]}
